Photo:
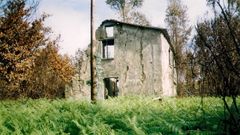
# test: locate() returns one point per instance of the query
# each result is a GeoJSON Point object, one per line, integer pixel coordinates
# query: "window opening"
{"type": "Point", "coordinates": [170, 57]}
{"type": "Point", "coordinates": [108, 49]}
{"type": "Point", "coordinates": [109, 31]}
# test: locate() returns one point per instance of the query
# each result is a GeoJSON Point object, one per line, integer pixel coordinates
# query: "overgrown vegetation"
{"type": "Point", "coordinates": [123, 115]}
{"type": "Point", "coordinates": [217, 56]}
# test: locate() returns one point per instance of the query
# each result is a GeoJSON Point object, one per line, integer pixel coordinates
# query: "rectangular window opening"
{"type": "Point", "coordinates": [108, 49]}
{"type": "Point", "coordinates": [170, 57]}
{"type": "Point", "coordinates": [109, 31]}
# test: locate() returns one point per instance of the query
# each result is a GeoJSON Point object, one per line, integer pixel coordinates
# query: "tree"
{"type": "Point", "coordinates": [30, 65]}
{"type": "Point", "coordinates": [127, 12]}
{"type": "Point", "coordinates": [177, 23]}
{"type": "Point", "coordinates": [49, 67]}
{"type": "Point", "coordinates": [140, 19]}
{"type": "Point", "coordinates": [218, 56]}
{"type": "Point", "coordinates": [20, 37]}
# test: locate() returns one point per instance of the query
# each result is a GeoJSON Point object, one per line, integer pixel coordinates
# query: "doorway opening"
{"type": "Point", "coordinates": [111, 87]}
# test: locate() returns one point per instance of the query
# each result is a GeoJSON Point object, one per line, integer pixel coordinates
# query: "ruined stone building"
{"type": "Point", "coordinates": [131, 60]}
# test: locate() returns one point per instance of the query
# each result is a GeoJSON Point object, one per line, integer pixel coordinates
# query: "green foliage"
{"type": "Point", "coordinates": [120, 116]}
{"type": "Point", "coordinates": [121, 4]}
{"type": "Point", "coordinates": [127, 11]}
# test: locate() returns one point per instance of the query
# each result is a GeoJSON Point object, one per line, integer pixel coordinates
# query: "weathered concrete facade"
{"type": "Point", "coordinates": [134, 60]}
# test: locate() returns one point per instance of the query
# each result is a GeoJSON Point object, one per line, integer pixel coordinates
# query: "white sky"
{"type": "Point", "coordinates": [70, 18]}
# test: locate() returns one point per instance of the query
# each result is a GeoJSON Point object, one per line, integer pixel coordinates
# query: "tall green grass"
{"type": "Point", "coordinates": [120, 116]}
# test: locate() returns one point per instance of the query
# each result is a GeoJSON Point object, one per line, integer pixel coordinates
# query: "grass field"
{"type": "Point", "coordinates": [123, 115]}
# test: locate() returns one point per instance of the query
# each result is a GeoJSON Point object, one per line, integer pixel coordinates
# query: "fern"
{"type": "Point", "coordinates": [116, 116]}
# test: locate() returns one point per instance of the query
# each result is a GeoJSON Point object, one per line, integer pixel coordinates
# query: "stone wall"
{"type": "Point", "coordinates": [80, 86]}
{"type": "Point", "coordinates": [138, 62]}
{"type": "Point", "coordinates": [141, 64]}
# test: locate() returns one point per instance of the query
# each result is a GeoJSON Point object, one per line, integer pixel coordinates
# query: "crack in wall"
{"type": "Point", "coordinates": [153, 64]}
{"type": "Point", "coordinates": [143, 75]}
{"type": "Point", "coordinates": [127, 67]}
{"type": "Point", "coordinates": [125, 48]}
{"type": "Point", "coordinates": [126, 73]}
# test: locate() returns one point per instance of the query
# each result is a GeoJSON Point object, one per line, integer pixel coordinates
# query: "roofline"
{"type": "Point", "coordinates": [162, 30]}
{"type": "Point", "coordinates": [131, 24]}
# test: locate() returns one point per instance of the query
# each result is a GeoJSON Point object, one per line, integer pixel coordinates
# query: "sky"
{"type": "Point", "coordinates": [71, 18]}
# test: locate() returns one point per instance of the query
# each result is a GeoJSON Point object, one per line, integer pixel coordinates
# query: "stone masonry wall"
{"type": "Point", "coordinates": [137, 61]}
{"type": "Point", "coordinates": [141, 64]}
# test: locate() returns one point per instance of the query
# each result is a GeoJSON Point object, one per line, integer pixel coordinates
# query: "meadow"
{"type": "Point", "coordinates": [120, 116]}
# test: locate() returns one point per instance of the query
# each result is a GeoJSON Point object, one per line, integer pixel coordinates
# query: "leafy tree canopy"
{"type": "Point", "coordinates": [22, 37]}
{"type": "Point", "coordinates": [127, 11]}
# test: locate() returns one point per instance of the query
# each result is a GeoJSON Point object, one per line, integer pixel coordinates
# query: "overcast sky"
{"type": "Point", "coordinates": [70, 18]}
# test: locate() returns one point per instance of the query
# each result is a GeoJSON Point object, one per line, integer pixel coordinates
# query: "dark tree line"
{"type": "Point", "coordinates": [216, 58]}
